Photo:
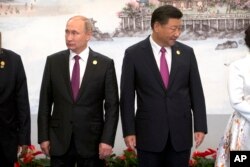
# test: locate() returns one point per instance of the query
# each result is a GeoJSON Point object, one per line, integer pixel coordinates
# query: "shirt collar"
{"type": "Point", "coordinates": [83, 55]}
{"type": "Point", "coordinates": [156, 48]}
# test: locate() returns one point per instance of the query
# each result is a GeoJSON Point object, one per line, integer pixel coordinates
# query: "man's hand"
{"type": "Point", "coordinates": [45, 147]}
{"type": "Point", "coordinates": [130, 141]}
{"type": "Point", "coordinates": [104, 150]}
{"type": "Point", "coordinates": [22, 150]}
{"type": "Point", "coordinates": [198, 137]}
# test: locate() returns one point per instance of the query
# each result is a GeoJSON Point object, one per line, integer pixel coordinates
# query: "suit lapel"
{"type": "Point", "coordinates": [66, 73]}
{"type": "Point", "coordinates": [174, 65]}
{"type": "Point", "coordinates": [149, 57]}
{"type": "Point", "coordinates": [89, 71]}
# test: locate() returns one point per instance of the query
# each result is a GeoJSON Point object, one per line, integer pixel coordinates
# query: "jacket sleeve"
{"type": "Point", "coordinates": [111, 106]}
{"type": "Point", "coordinates": [23, 105]}
{"type": "Point", "coordinates": [128, 96]}
{"type": "Point", "coordinates": [45, 105]}
{"type": "Point", "coordinates": [197, 97]}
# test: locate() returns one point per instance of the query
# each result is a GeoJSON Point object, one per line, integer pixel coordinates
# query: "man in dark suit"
{"type": "Point", "coordinates": [14, 108]}
{"type": "Point", "coordinates": [72, 125]}
{"type": "Point", "coordinates": [164, 76]}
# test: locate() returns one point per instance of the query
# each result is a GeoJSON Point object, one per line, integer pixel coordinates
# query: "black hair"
{"type": "Point", "coordinates": [163, 13]}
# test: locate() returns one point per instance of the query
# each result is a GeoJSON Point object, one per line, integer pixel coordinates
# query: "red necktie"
{"type": "Point", "coordinates": [164, 68]}
{"type": "Point", "coordinates": [75, 80]}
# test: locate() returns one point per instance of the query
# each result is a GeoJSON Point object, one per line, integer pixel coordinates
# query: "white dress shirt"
{"type": "Point", "coordinates": [157, 53]}
{"type": "Point", "coordinates": [82, 62]}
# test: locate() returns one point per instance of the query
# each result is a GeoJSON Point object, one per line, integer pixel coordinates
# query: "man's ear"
{"type": "Point", "coordinates": [156, 26]}
{"type": "Point", "coordinates": [89, 35]}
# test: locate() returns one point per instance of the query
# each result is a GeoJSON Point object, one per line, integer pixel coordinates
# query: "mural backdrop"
{"type": "Point", "coordinates": [214, 28]}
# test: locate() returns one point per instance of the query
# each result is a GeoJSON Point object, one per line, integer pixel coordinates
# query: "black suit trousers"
{"type": "Point", "coordinates": [71, 158]}
{"type": "Point", "coordinates": [167, 158]}
{"type": "Point", "coordinates": [8, 152]}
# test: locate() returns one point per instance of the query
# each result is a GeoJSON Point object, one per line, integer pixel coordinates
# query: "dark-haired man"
{"type": "Point", "coordinates": [164, 76]}
{"type": "Point", "coordinates": [14, 108]}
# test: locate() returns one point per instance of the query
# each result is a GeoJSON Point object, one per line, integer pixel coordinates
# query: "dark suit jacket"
{"type": "Point", "coordinates": [59, 116]}
{"type": "Point", "coordinates": [161, 112]}
{"type": "Point", "coordinates": [14, 102]}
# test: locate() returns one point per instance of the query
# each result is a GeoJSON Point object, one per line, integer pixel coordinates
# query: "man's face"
{"type": "Point", "coordinates": [167, 34]}
{"type": "Point", "coordinates": [75, 35]}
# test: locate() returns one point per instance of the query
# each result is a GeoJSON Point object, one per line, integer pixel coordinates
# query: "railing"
{"type": "Point", "coordinates": [209, 16]}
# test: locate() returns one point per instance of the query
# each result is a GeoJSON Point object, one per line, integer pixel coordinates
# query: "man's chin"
{"type": "Point", "coordinates": [71, 48]}
{"type": "Point", "coordinates": [172, 42]}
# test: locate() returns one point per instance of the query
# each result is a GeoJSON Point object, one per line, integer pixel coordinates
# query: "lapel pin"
{"type": "Point", "coordinates": [95, 62]}
{"type": "Point", "coordinates": [178, 52]}
{"type": "Point", "coordinates": [2, 64]}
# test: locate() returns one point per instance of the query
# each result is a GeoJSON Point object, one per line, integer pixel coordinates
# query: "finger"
{"type": "Point", "coordinates": [102, 156]}
{"type": "Point", "coordinates": [18, 149]}
{"type": "Point", "coordinates": [131, 145]}
{"type": "Point", "coordinates": [127, 144]}
{"type": "Point", "coordinates": [46, 151]}
{"type": "Point", "coordinates": [197, 145]}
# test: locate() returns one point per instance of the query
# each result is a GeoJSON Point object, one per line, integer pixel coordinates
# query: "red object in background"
{"type": "Point", "coordinates": [208, 152]}
{"type": "Point", "coordinates": [16, 164]}
{"type": "Point", "coordinates": [30, 154]}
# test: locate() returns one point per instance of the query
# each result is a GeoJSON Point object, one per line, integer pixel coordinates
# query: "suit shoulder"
{"type": "Point", "coordinates": [183, 46]}
{"type": "Point", "coordinates": [12, 56]}
{"type": "Point", "coordinates": [10, 53]}
{"type": "Point", "coordinates": [58, 54]}
{"type": "Point", "coordinates": [100, 56]}
{"type": "Point", "coordinates": [185, 49]}
{"type": "Point", "coordinates": [136, 46]}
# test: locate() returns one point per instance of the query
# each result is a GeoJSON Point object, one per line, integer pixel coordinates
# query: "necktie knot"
{"type": "Point", "coordinates": [76, 57]}
{"type": "Point", "coordinates": [163, 50]}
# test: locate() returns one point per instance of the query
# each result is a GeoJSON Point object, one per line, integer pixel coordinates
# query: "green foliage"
{"type": "Point", "coordinates": [128, 159]}
{"type": "Point", "coordinates": [40, 162]}
{"type": "Point", "coordinates": [204, 162]}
